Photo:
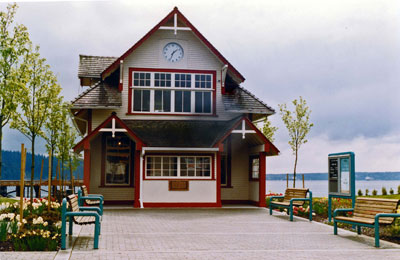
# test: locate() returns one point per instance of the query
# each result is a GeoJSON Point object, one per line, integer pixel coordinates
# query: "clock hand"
{"type": "Point", "coordinates": [172, 54]}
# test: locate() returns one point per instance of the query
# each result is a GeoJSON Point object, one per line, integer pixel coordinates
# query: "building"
{"type": "Point", "coordinates": [167, 124]}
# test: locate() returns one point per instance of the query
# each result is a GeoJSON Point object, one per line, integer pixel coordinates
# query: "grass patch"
{"type": "Point", "coordinates": [393, 196]}
{"type": "Point", "coordinates": [4, 200]}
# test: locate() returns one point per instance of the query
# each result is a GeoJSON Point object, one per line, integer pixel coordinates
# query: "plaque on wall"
{"type": "Point", "coordinates": [178, 185]}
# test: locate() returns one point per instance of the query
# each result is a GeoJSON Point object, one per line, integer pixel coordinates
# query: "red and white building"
{"type": "Point", "coordinates": [167, 124]}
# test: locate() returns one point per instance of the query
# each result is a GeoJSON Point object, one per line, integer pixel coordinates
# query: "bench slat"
{"type": "Point", "coordinates": [366, 209]}
{"type": "Point", "coordinates": [292, 193]}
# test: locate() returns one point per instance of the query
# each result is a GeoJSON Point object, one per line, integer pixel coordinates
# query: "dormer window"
{"type": "Point", "coordinates": [171, 92]}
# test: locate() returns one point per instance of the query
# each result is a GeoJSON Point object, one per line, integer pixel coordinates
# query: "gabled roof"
{"type": "Point", "coordinates": [112, 118]}
{"type": "Point", "coordinates": [242, 101]}
{"type": "Point", "coordinates": [101, 95]}
{"type": "Point", "coordinates": [93, 66]}
{"type": "Point", "coordinates": [182, 18]}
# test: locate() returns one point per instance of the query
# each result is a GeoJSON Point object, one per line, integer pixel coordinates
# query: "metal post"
{"type": "Point", "coordinates": [329, 208]}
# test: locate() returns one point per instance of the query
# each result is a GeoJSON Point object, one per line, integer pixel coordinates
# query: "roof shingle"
{"type": "Point", "coordinates": [93, 66]}
{"type": "Point", "coordinates": [242, 101]}
{"type": "Point", "coordinates": [179, 133]}
{"type": "Point", "coordinates": [101, 95]}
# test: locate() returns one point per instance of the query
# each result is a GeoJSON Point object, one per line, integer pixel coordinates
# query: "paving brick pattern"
{"type": "Point", "coordinates": [212, 234]}
{"type": "Point", "coordinates": [221, 234]}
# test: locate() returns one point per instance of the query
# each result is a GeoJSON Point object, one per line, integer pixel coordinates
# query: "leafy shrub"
{"type": "Point", "coordinates": [374, 192]}
{"type": "Point", "coordinates": [391, 191]}
{"type": "Point", "coordinates": [3, 230]}
{"type": "Point", "coordinates": [366, 192]}
{"type": "Point", "coordinates": [320, 205]}
{"type": "Point", "coordinates": [398, 189]}
{"type": "Point", "coordinates": [384, 191]}
{"type": "Point", "coordinates": [360, 193]}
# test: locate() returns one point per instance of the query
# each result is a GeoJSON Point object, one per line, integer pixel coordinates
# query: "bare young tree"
{"type": "Point", "coordinates": [298, 125]}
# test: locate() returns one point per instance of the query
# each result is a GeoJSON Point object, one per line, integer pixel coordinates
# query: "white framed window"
{"type": "Point", "coordinates": [178, 166]}
{"type": "Point", "coordinates": [254, 165]}
{"type": "Point", "coordinates": [172, 92]}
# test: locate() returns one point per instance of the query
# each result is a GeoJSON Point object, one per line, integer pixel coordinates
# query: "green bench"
{"type": "Point", "coordinates": [368, 212]}
{"type": "Point", "coordinates": [293, 197]}
{"type": "Point", "coordinates": [79, 216]}
{"type": "Point", "coordinates": [91, 200]}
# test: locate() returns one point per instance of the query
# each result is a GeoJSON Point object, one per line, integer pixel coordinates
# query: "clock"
{"type": "Point", "coordinates": [173, 52]}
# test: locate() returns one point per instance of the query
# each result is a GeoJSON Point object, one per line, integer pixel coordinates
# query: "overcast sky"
{"type": "Point", "coordinates": [343, 57]}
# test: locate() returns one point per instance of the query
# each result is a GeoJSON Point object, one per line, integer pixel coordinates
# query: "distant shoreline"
{"type": "Point", "coordinates": [368, 176]}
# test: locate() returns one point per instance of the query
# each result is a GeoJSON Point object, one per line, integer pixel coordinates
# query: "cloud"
{"type": "Point", "coordinates": [371, 154]}
{"type": "Point", "coordinates": [341, 56]}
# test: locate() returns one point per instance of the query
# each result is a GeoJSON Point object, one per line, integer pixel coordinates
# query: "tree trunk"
{"type": "Point", "coordinates": [32, 166]}
{"type": "Point", "coordinates": [294, 171]}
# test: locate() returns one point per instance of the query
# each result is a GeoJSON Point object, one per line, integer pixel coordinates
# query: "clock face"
{"type": "Point", "coordinates": [173, 52]}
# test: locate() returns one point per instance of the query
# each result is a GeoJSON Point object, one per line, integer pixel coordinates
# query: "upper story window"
{"type": "Point", "coordinates": [172, 92]}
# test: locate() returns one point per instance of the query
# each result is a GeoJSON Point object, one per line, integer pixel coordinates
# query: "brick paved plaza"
{"type": "Point", "coordinates": [229, 233]}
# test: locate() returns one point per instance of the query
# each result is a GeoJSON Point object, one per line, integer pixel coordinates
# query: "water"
{"type": "Point", "coordinates": [320, 188]}
{"type": "Point", "coordinates": [43, 193]}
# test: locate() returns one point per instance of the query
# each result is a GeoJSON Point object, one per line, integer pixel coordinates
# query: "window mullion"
{"type": "Point", "coordinates": [178, 161]}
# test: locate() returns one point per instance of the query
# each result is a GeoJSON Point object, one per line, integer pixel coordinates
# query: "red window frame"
{"type": "Point", "coordinates": [213, 89]}
{"type": "Point", "coordinates": [180, 178]}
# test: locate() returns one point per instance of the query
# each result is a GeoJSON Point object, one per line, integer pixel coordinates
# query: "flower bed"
{"type": "Point", "coordinates": [40, 229]}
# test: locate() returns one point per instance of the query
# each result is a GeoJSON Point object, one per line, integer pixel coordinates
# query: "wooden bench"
{"type": "Point", "coordinates": [90, 199]}
{"type": "Point", "coordinates": [293, 197]}
{"type": "Point", "coordinates": [78, 216]}
{"type": "Point", "coordinates": [369, 212]}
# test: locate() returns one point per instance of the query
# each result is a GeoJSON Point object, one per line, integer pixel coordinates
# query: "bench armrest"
{"type": "Point", "coordinates": [275, 197]}
{"type": "Point", "coordinates": [84, 214]}
{"type": "Point", "coordinates": [95, 195]}
{"type": "Point", "coordinates": [90, 209]}
{"type": "Point", "coordinates": [341, 210]}
{"type": "Point", "coordinates": [383, 215]}
{"type": "Point", "coordinates": [298, 199]}
{"type": "Point", "coordinates": [92, 198]}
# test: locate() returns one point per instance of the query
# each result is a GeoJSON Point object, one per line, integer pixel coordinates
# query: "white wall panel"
{"type": "Point", "coordinates": [199, 191]}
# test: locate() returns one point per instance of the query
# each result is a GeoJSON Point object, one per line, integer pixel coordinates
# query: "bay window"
{"type": "Point", "coordinates": [172, 92]}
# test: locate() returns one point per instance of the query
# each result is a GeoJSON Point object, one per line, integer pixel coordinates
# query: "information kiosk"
{"type": "Point", "coordinates": [341, 178]}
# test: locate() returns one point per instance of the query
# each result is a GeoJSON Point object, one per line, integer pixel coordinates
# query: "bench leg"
{"type": "Point", "coordinates": [376, 234]}
{"type": "Point", "coordinates": [270, 208]}
{"type": "Point", "coordinates": [334, 227]}
{"type": "Point", "coordinates": [71, 223]}
{"type": "Point", "coordinates": [310, 209]}
{"type": "Point", "coordinates": [63, 231]}
{"type": "Point", "coordinates": [291, 213]}
{"type": "Point", "coordinates": [359, 230]}
{"type": "Point", "coordinates": [96, 234]}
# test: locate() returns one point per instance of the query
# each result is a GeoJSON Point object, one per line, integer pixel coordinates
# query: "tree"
{"type": "Point", "coordinates": [298, 126]}
{"type": "Point", "coordinates": [52, 130]}
{"type": "Point", "coordinates": [269, 130]}
{"type": "Point", "coordinates": [65, 142]}
{"type": "Point", "coordinates": [14, 44]}
{"type": "Point", "coordinates": [39, 91]}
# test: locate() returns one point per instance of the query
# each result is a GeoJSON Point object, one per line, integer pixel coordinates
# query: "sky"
{"type": "Point", "coordinates": [342, 57]}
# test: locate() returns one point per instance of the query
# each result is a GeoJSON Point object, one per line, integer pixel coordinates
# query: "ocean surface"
{"type": "Point", "coordinates": [319, 188]}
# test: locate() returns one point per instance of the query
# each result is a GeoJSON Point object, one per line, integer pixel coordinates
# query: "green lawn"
{"type": "Point", "coordinates": [394, 196]}
{"type": "Point", "coordinates": [3, 200]}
